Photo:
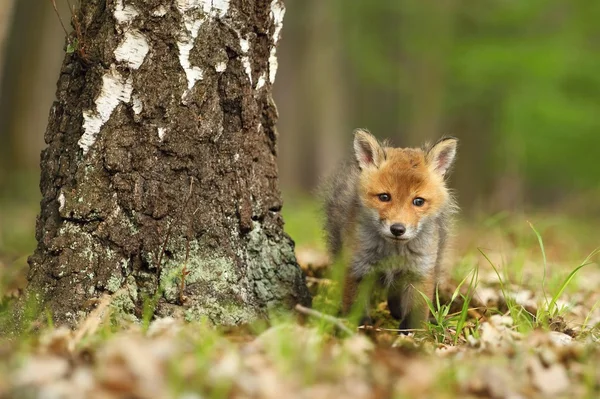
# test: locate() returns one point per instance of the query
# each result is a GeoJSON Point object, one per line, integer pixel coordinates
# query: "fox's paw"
{"type": "Point", "coordinates": [404, 326]}
{"type": "Point", "coordinates": [365, 321]}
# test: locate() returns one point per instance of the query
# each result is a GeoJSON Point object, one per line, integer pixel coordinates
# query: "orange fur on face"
{"type": "Point", "coordinates": [405, 175]}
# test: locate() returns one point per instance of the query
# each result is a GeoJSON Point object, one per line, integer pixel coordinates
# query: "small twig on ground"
{"type": "Point", "coordinates": [476, 315]}
{"type": "Point", "coordinates": [320, 281]}
{"type": "Point", "coordinates": [473, 312]}
{"type": "Point", "coordinates": [314, 313]}
{"type": "Point", "coordinates": [379, 329]}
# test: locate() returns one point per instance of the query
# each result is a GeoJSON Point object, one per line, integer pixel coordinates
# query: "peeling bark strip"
{"type": "Point", "coordinates": [166, 138]}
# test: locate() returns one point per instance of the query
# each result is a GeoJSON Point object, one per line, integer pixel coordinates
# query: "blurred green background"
{"type": "Point", "coordinates": [518, 82]}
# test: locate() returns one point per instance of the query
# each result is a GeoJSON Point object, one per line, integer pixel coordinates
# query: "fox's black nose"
{"type": "Point", "coordinates": [397, 229]}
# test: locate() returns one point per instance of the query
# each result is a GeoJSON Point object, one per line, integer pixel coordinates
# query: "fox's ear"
{"type": "Point", "coordinates": [367, 149]}
{"type": "Point", "coordinates": [441, 156]}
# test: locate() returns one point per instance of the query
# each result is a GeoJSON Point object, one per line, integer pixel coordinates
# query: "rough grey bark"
{"type": "Point", "coordinates": [161, 165]}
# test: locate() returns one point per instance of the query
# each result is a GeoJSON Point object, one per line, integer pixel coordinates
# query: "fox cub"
{"type": "Point", "coordinates": [391, 208]}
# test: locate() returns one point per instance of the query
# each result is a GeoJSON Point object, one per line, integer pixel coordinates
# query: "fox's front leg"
{"type": "Point", "coordinates": [406, 303]}
{"type": "Point", "coordinates": [350, 294]}
{"type": "Point", "coordinates": [359, 269]}
{"type": "Point", "coordinates": [351, 284]}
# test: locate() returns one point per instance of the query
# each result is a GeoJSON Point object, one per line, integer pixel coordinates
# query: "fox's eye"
{"type": "Point", "coordinates": [418, 201]}
{"type": "Point", "coordinates": [384, 197]}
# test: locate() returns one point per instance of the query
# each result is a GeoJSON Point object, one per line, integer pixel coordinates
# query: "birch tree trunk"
{"type": "Point", "coordinates": [160, 173]}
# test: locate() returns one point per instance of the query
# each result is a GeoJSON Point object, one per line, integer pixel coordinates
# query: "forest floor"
{"type": "Point", "coordinates": [518, 317]}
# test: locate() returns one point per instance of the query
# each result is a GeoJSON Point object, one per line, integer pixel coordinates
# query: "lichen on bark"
{"type": "Point", "coordinates": [161, 154]}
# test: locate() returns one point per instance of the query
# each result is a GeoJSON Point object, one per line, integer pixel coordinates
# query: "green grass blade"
{"type": "Point", "coordinates": [566, 282]}
{"type": "Point", "coordinates": [464, 312]}
{"type": "Point", "coordinates": [437, 296]}
{"type": "Point", "coordinates": [587, 318]}
{"type": "Point", "coordinates": [541, 243]}
{"type": "Point", "coordinates": [457, 290]}
{"type": "Point", "coordinates": [502, 288]}
{"type": "Point", "coordinates": [429, 304]}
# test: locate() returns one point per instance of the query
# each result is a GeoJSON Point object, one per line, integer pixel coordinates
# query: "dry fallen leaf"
{"type": "Point", "coordinates": [487, 296]}
{"type": "Point", "coordinates": [40, 370]}
{"type": "Point", "coordinates": [127, 365]}
{"type": "Point", "coordinates": [312, 261]}
{"type": "Point", "coordinates": [226, 368]}
{"type": "Point", "coordinates": [495, 334]}
{"type": "Point", "coordinates": [524, 298]}
{"type": "Point", "coordinates": [164, 326]}
{"type": "Point", "coordinates": [560, 338]}
{"type": "Point", "coordinates": [359, 347]}
{"type": "Point", "coordinates": [550, 381]}
{"type": "Point", "coordinates": [57, 342]}
{"type": "Point", "coordinates": [493, 382]}
{"type": "Point", "coordinates": [417, 380]}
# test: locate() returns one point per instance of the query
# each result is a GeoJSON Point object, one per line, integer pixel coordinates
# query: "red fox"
{"type": "Point", "coordinates": [391, 208]}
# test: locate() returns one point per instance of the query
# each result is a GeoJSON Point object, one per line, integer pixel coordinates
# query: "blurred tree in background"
{"type": "Point", "coordinates": [32, 58]}
{"type": "Point", "coordinates": [5, 18]}
{"type": "Point", "coordinates": [31, 43]}
{"type": "Point", "coordinates": [516, 81]}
